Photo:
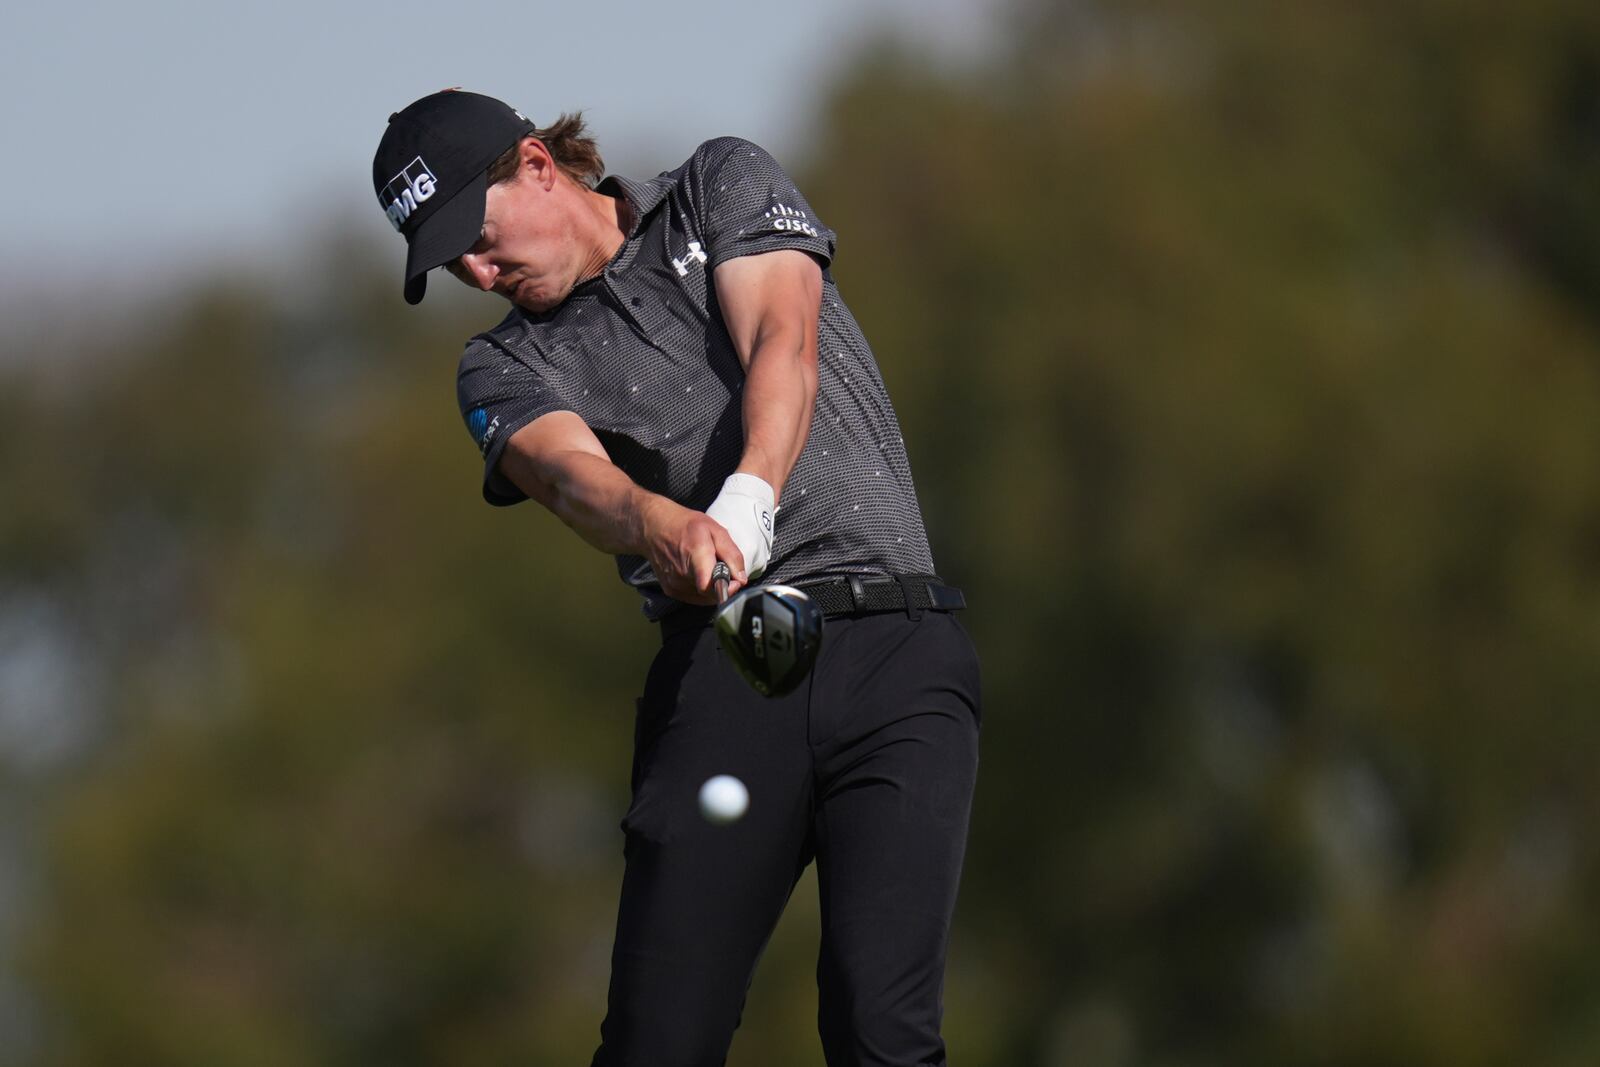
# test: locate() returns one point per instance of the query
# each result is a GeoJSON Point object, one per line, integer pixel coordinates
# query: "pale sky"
{"type": "Point", "coordinates": [146, 143]}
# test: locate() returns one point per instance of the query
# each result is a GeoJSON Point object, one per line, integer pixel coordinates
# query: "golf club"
{"type": "Point", "coordinates": [770, 632]}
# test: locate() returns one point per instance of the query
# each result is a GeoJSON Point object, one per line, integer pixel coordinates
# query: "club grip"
{"type": "Point", "coordinates": [720, 574]}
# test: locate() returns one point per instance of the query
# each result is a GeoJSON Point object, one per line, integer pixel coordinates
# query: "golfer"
{"type": "Point", "coordinates": [679, 381]}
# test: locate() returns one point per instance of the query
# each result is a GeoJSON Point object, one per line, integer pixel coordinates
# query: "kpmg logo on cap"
{"type": "Point", "coordinates": [407, 191]}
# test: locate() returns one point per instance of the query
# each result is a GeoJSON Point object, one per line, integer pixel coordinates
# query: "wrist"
{"type": "Point", "coordinates": [750, 484]}
{"type": "Point", "coordinates": [655, 514]}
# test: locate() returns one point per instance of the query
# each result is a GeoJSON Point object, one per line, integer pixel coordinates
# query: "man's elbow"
{"type": "Point", "coordinates": [519, 469]}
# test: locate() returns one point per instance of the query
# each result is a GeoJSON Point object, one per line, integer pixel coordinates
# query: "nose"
{"type": "Point", "coordinates": [479, 269]}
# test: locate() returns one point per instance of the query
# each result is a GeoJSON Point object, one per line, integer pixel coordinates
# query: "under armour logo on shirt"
{"type": "Point", "coordinates": [695, 254]}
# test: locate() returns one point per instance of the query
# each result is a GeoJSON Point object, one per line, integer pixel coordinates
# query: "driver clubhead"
{"type": "Point", "coordinates": [772, 634]}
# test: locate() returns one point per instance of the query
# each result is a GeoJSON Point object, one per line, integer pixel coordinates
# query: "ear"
{"type": "Point", "coordinates": [537, 163]}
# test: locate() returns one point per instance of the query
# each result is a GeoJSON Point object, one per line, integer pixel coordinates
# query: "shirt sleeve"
{"type": "Point", "coordinates": [499, 395]}
{"type": "Point", "coordinates": [748, 205]}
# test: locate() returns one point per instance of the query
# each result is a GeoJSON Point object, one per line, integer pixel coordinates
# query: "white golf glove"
{"type": "Point", "coordinates": [745, 509]}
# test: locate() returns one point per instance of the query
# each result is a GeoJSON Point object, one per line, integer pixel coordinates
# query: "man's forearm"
{"type": "Point", "coordinates": [557, 460]}
{"type": "Point", "coordinates": [600, 502]}
{"type": "Point", "coordinates": [780, 392]}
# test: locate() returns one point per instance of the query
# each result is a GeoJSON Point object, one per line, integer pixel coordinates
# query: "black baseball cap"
{"type": "Point", "coordinates": [431, 174]}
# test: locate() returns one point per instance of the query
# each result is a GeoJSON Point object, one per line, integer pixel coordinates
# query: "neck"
{"type": "Point", "coordinates": [609, 216]}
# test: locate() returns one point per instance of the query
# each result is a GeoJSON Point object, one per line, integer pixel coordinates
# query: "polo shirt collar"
{"type": "Point", "coordinates": [643, 197]}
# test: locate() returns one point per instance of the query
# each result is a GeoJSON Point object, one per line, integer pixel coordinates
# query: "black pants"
{"type": "Point", "coordinates": [868, 768]}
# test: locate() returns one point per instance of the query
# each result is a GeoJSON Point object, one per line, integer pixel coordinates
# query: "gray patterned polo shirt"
{"type": "Point", "coordinates": [641, 354]}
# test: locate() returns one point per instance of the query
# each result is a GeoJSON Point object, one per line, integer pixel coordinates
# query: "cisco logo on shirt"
{"type": "Point", "coordinates": [784, 217]}
{"type": "Point", "coordinates": [407, 191]}
{"type": "Point", "coordinates": [482, 429]}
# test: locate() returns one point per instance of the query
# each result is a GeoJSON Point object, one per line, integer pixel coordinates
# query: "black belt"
{"type": "Point", "coordinates": [850, 594]}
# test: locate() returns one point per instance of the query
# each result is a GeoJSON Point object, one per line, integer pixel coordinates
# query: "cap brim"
{"type": "Point", "coordinates": [452, 229]}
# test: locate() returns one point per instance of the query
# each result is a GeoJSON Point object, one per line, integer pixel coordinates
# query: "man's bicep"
{"type": "Point", "coordinates": [536, 455]}
{"type": "Point", "coordinates": [772, 291]}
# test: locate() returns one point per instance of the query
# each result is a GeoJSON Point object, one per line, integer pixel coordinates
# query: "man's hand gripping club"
{"type": "Point", "coordinates": [684, 548]}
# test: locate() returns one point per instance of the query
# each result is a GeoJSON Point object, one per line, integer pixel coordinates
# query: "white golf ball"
{"type": "Point", "coordinates": [723, 799]}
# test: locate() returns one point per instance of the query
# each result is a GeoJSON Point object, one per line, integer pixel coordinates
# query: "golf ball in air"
{"type": "Point", "coordinates": [723, 799]}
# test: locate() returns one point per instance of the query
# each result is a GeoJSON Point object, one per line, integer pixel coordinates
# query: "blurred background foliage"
{"type": "Point", "coordinates": [1249, 360]}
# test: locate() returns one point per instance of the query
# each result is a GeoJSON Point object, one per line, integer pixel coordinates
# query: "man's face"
{"type": "Point", "coordinates": [528, 251]}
